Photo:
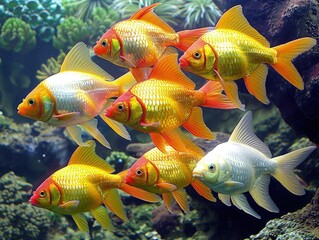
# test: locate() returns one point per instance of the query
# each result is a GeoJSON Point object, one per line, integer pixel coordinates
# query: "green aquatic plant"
{"type": "Point", "coordinates": [52, 66]}
{"type": "Point", "coordinates": [199, 13]}
{"type": "Point", "coordinates": [168, 10]}
{"type": "Point", "coordinates": [70, 32]}
{"type": "Point", "coordinates": [83, 9]}
{"type": "Point", "coordinates": [16, 35]}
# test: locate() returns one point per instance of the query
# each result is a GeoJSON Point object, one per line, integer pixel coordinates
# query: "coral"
{"type": "Point", "coordinates": [199, 13]}
{"type": "Point", "coordinates": [70, 32]}
{"type": "Point", "coordinates": [52, 67]}
{"type": "Point", "coordinates": [167, 10]}
{"type": "Point", "coordinates": [19, 220]}
{"type": "Point", "coordinates": [42, 15]}
{"type": "Point", "coordinates": [17, 35]}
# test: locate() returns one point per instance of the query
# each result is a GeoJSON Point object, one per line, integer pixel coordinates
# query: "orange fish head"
{"type": "Point", "coordinates": [126, 109]}
{"type": "Point", "coordinates": [142, 173]}
{"type": "Point", "coordinates": [47, 195]}
{"type": "Point", "coordinates": [199, 59]}
{"type": "Point", "coordinates": [108, 47]}
{"type": "Point", "coordinates": [37, 105]}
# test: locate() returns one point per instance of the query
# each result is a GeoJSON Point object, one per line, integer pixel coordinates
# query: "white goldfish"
{"type": "Point", "coordinates": [244, 164]}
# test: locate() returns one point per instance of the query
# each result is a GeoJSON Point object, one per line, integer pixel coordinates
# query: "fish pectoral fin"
{"type": "Point", "coordinates": [181, 198]}
{"type": "Point", "coordinates": [168, 201]}
{"type": "Point", "coordinates": [116, 126]}
{"type": "Point", "coordinates": [102, 217]}
{"type": "Point", "coordinates": [256, 83]}
{"type": "Point", "coordinates": [75, 134]}
{"type": "Point", "coordinates": [203, 190]}
{"type": "Point", "coordinates": [240, 201]}
{"type": "Point", "coordinates": [114, 203]}
{"type": "Point", "coordinates": [260, 193]}
{"type": "Point", "coordinates": [66, 116]}
{"type": "Point", "coordinates": [70, 205]}
{"type": "Point", "coordinates": [233, 184]}
{"type": "Point", "coordinates": [91, 128]}
{"type": "Point", "coordinates": [225, 199]}
{"type": "Point", "coordinates": [128, 61]}
{"type": "Point", "coordinates": [231, 90]}
{"type": "Point", "coordinates": [195, 125]}
{"type": "Point", "coordinates": [81, 222]}
{"type": "Point", "coordinates": [166, 186]}
{"type": "Point", "coordinates": [140, 193]}
{"type": "Point", "coordinates": [151, 124]}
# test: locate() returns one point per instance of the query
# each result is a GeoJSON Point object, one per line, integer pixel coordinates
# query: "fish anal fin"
{"type": "Point", "coordinates": [203, 190]}
{"type": "Point", "coordinates": [195, 125]}
{"type": "Point", "coordinates": [260, 193]}
{"type": "Point", "coordinates": [244, 134]}
{"type": "Point", "coordinates": [81, 222]}
{"type": "Point", "coordinates": [180, 197]}
{"type": "Point", "coordinates": [256, 83]}
{"type": "Point", "coordinates": [235, 20]}
{"type": "Point", "coordinates": [102, 217]}
{"type": "Point", "coordinates": [91, 127]}
{"type": "Point", "coordinates": [164, 186]}
{"type": "Point", "coordinates": [240, 201]}
{"type": "Point", "coordinates": [147, 14]}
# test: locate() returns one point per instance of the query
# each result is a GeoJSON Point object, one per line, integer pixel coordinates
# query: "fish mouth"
{"type": "Point", "coordinates": [128, 180]}
{"type": "Point", "coordinates": [33, 201]}
{"type": "Point", "coordinates": [108, 114]}
{"type": "Point", "coordinates": [197, 175]}
{"type": "Point", "coordinates": [183, 63]}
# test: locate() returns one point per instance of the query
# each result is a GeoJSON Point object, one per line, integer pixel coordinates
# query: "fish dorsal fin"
{"type": "Point", "coordinates": [78, 60]}
{"type": "Point", "coordinates": [235, 20]}
{"type": "Point", "coordinates": [167, 69]}
{"type": "Point", "coordinates": [147, 14]}
{"type": "Point", "coordinates": [244, 134]}
{"type": "Point", "coordinates": [86, 155]}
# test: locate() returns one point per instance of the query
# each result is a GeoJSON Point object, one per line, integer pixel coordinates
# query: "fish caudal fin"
{"type": "Point", "coordinates": [214, 97]}
{"type": "Point", "coordinates": [140, 193]}
{"type": "Point", "coordinates": [287, 52]}
{"type": "Point", "coordinates": [188, 37]}
{"type": "Point", "coordinates": [114, 203]}
{"type": "Point", "coordinates": [203, 190]}
{"type": "Point", "coordinates": [285, 169]}
{"type": "Point", "coordinates": [102, 217]}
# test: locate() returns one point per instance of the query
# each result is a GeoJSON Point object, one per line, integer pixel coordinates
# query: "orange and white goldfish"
{"type": "Point", "coordinates": [139, 41]}
{"type": "Point", "coordinates": [236, 50]}
{"type": "Point", "coordinates": [167, 174]}
{"type": "Point", "coordinates": [83, 186]}
{"type": "Point", "coordinates": [75, 96]}
{"type": "Point", "coordinates": [244, 164]}
{"type": "Point", "coordinates": [166, 101]}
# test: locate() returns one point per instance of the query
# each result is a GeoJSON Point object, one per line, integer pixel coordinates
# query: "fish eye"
{"type": "Point", "coordinates": [197, 55]}
{"type": "Point", "coordinates": [31, 101]}
{"type": "Point", "coordinates": [104, 43]}
{"type": "Point", "coordinates": [42, 194]}
{"type": "Point", "coordinates": [139, 172]}
{"type": "Point", "coordinates": [211, 167]}
{"type": "Point", "coordinates": [120, 107]}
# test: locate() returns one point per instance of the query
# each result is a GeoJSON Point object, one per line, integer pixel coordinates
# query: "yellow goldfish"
{"type": "Point", "coordinates": [166, 101]}
{"type": "Point", "coordinates": [83, 186]}
{"type": "Point", "coordinates": [75, 96]}
{"type": "Point", "coordinates": [139, 41]}
{"type": "Point", "coordinates": [244, 164]}
{"type": "Point", "coordinates": [168, 174]}
{"type": "Point", "coordinates": [236, 50]}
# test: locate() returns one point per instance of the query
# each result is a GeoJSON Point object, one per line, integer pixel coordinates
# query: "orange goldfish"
{"type": "Point", "coordinates": [75, 96]}
{"type": "Point", "coordinates": [83, 186]}
{"type": "Point", "coordinates": [167, 174]}
{"type": "Point", "coordinates": [166, 101]}
{"type": "Point", "coordinates": [139, 41]}
{"type": "Point", "coordinates": [236, 50]}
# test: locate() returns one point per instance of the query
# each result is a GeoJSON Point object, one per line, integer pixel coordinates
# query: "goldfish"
{"type": "Point", "coordinates": [139, 41]}
{"type": "Point", "coordinates": [244, 164]}
{"type": "Point", "coordinates": [167, 174]}
{"type": "Point", "coordinates": [166, 101]}
{"type": "Point", "coordinates": [236, 50]}
{"type": "Point", "coordinates": [83, 186]}
{"type": "Point", "coordinates": [73, 97]}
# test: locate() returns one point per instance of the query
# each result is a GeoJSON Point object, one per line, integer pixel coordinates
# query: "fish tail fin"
{"type": "Point", "coordinates": [214, 97]}
{"type": "Point", "coordinates": [188, 37]}
{"type": "Point", "coordinates": [140, 193]}
{"type": "Point", "coordinates": [285, 169]}
{"type": "Point", "coordinates": [125, 82]}
{"type": "Point", "coordinates": [287, 52]}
